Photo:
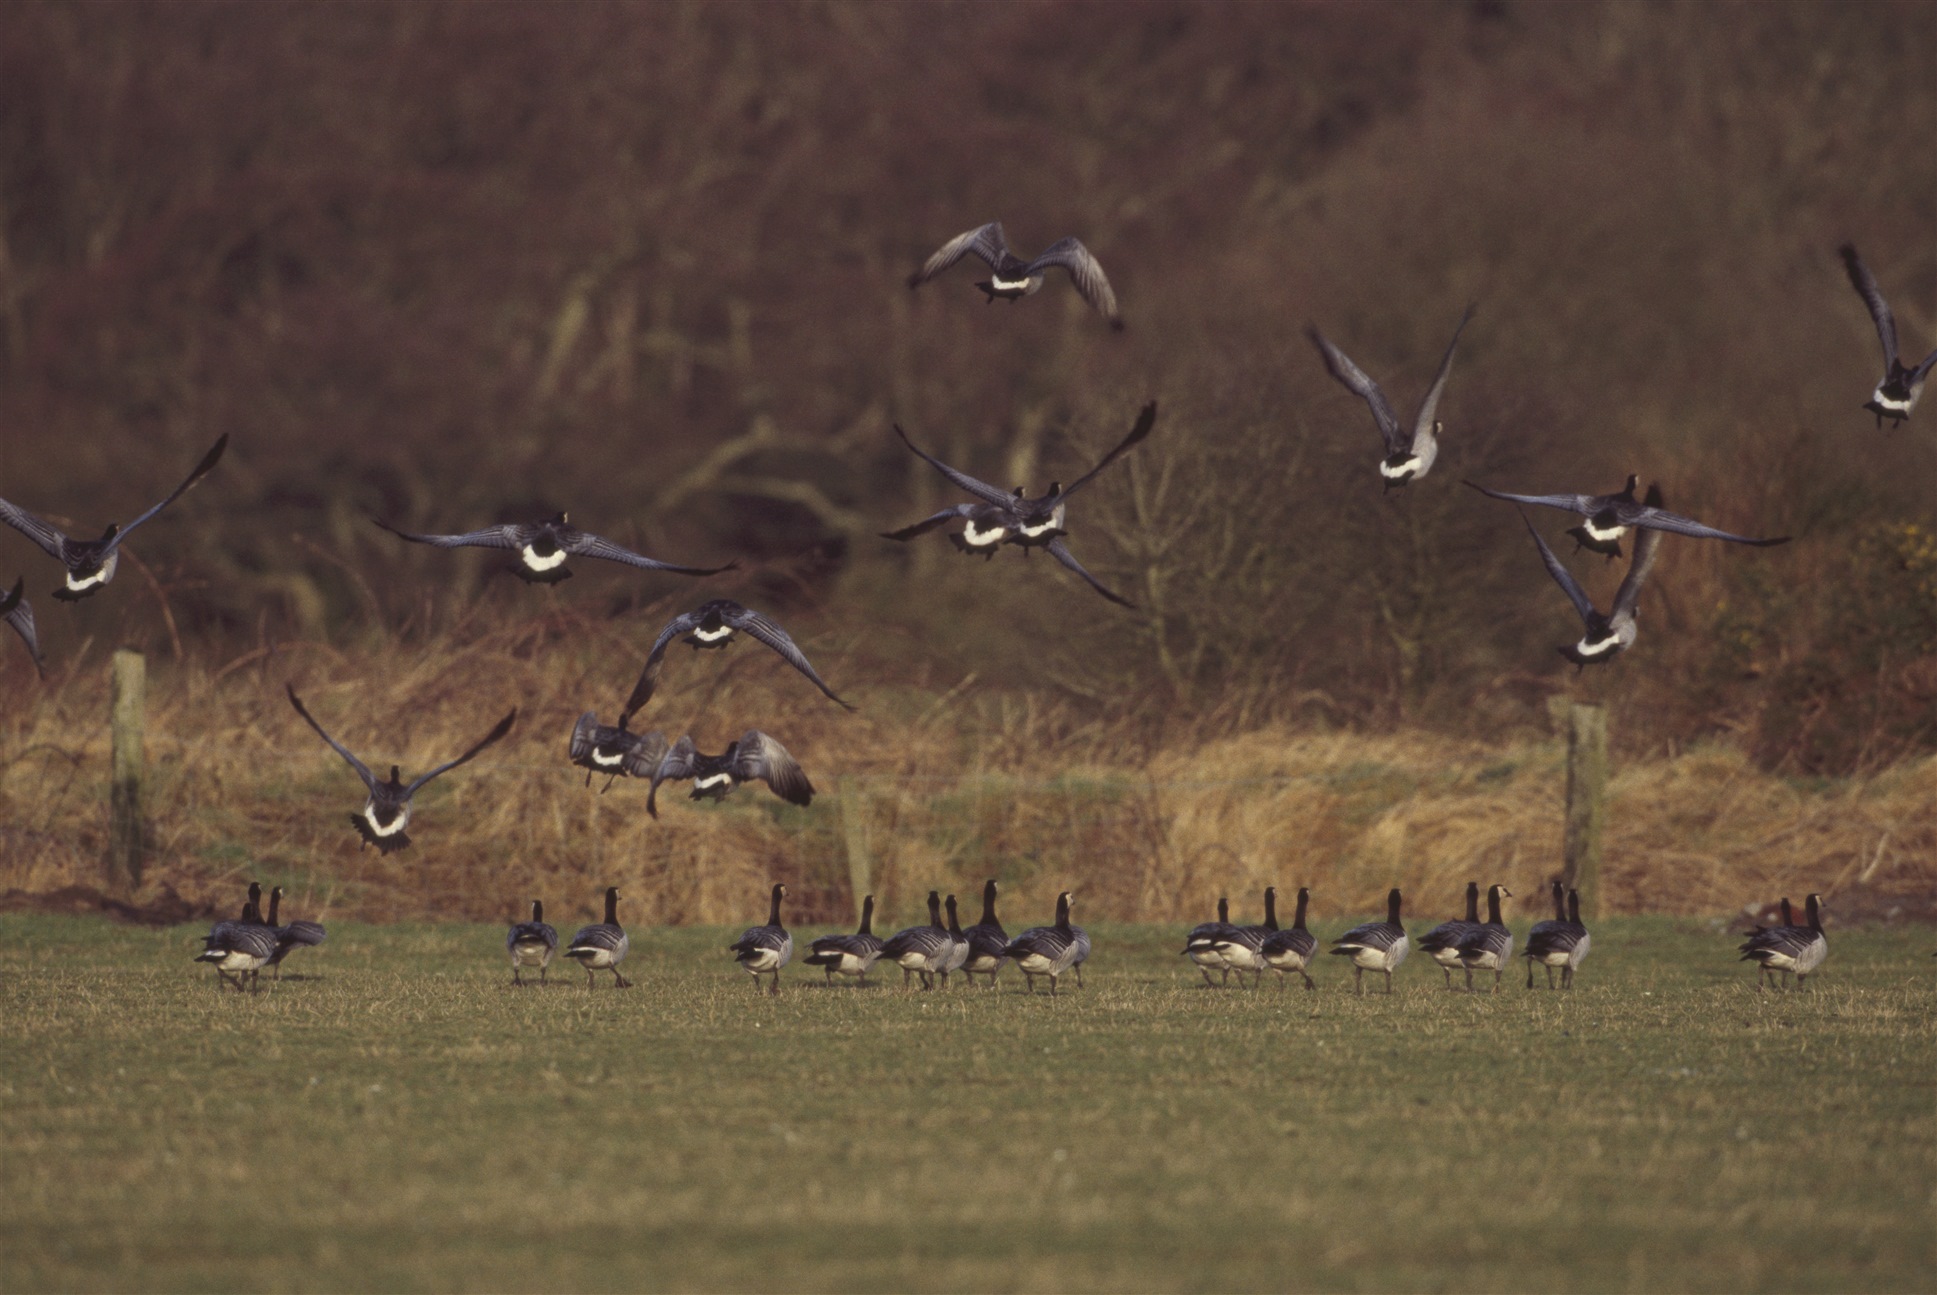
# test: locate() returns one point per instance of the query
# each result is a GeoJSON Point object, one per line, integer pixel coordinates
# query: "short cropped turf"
{"type": "Point", "coordinates": [398, 1117]}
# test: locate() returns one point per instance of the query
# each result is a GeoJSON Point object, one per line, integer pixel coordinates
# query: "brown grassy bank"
{"type": "Point", "coordinates": [931, 784]}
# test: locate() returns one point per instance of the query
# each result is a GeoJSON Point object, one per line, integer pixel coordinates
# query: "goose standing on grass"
{"type": "Point", "coordinates": [986, 940]}
{"type": "Point", "coordinates": [1562, 942]}
{"type": "Point", "coordinates": [91, 563]}
{"type": "Point", "coordinates": [754, 758]}
{"type": "Point", "coordinates": [1081, 939]}
{"type": "Point", "coordinates": [1291, 949]}
{"type": "Point", "coordinates": [850, 955]}
{"type": "Point", "coordinates": [19, 613]}
{"type": "Point", "coordinates": [713, 625]}
{"type": "Point", "coordinates": [603, 945]}
{"type": "Point", "coordinates": [1604, 637]}
{"type": "Point", "coordinates": [1489, 946]}
{"type": "Point", "coordinates": [291, 937]}
{"type": "Point", "coordinates": [615, 752]}
{"type": "Point", "coordinates": [1012, 278]}
{"type": "Point", "coordinates": [1609, 517]}
{"type": "Point", "coordinates": [1793, 950]}
{"type": "Point", "coordinates": [1897, 391]}
{"type": "Point", "coordinates": [1046, 950]}
{"type": "Point", "coordinates": [243, 947]}
{"type": "Point", "coordinates": [219, 933]}
{"type": "Point", "coordinates": [542, 548]}
{"type": "Point", "coordinates": [386, 813]}
{"type": "Point", "coordinates": [1375, 946]}
{"type": "Point", "coordinates": [1200, 946]}
{"type": "Point", "coordinates": [1242, 948]}
{"type": "Point", "coordinates": [531, 944]}
{"type": "Point", "coordinates": [921, 950]}
{"type": "Point", "coordinates": [1408, 457]}
{"type": "Point", "coordinates": [958, 942]}
{"type": "Point", "coordinates": [764, 950]}
{"type": "Point", "coordinates": [1442, 942]}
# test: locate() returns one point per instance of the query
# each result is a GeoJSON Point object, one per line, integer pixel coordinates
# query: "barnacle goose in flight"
{"type": "Point", "coordinates": [615, 752]}
{"type": "Point", "coordinates": [1604, 637]}
{"type": "Point", "coordinates": [19, 613]}
{"type": "Point", "coordinates": [1897, 391]}
{"type": "Point", "coordinates": [713, 625]}
{"type": "Point", "coordinates": [90, 563]}
{"type": "Point", "coordinates": [386, 813]}
{"type": "Point", "coordinates": [1408, 457]}
{"type": "Point", "coordinates": [754, 757]}
{"type": "Point", "coordinates": [542, 548]}
{"type": "Point", "coordinates": [1013, 278]}
{"type": "Point", "coordinates": [1609, 517]}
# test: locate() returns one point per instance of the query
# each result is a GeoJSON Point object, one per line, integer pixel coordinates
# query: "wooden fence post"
{"type": "Point", "coordinates": [128, 703]}
{"type": "Point", "coordinates": [854, 832]}
{"type": "Point", "coordinates": [1586, 804]}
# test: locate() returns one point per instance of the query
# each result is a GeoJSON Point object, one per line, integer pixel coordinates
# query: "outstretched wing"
{"type": "Point", "coordinates": [759, 756]}
{"type": "Point", "coordinates": [1060, 551]}
{"type": "Point", "coordinates": [202, 469]}
{"type": "Point", "coordinates": [1585, 505]}
{"type": "Point", "coordinates": [19, 613]}
{"type": "Point", "coordinates": [982, 490]}
{"type": "Point", "coordinates": [1562, 576]}
{"type": "Point", "coordinates": [1145, 421]}
{"type": "Point", "coordinates": [503, 727]}
{"type": "Point", "coordinates": [588, 545]}
{"type": "Point", "coordinates": [649, 675]}
{"type": "Point", "coordinates": [927, 524]}
{"type": "Point", "coordinates": [584, 736]}
{"type": "Point", "coordinates": [49, 538]}
{"type": "Point", "coordinates": [1429, 407]}
{"type": "Point", "coordinates": [648, 750]}
{"type": "Point", "coordinates": [753, 623]}
{"type": "Point", "coordinates": [1865, 284]}
{"type": "Point", "coordinates": [986, 242]}
{"type": "Point", "coordinates": [1084, 271]}
{"type": "Point", "coordinates": [491, 537]}
{"type": "Point", "coordinates": [675, 766]}
{"type": "Point", "coordinates": [362, 770]}
{"type": "Point", "coordinates": [1647, 543]}
{"type": "Point", "coordinates": [1656, 519]}
{"type": "Point", "coordinates": [1355, 381]}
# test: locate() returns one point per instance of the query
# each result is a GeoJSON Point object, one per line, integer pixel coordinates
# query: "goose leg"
{"type": "Point", "coordinates": [1310, 984]}
{"type": "Point", "coordinates": [776, 982]}
{"type": "Point", "coordinates": [1469, 979]}
{"type": "Point", "coordinates": [1358, 981]}
{"type": "Point", "coordinates": [516, 979]}
{"type": "Point", "coordinates": [1530, 973]}
{"type": "Point", "coordinates": [1497, 973]}
{"type": "Point", "coordinates": [1052, 984]}
{"type": "Point", "coordinates": [588, 977]}
{"type": "Point", "coordinates": [1449, 975]}
{"type": "Point", "coordinates": [1078, 969]}
{"type": "Point", "coordinates": [543, 969]}
{"type": "Point", "coordinates": [618, 981]}
{"type": "Point", "coordinates": [1566, 977]}
{"type": "Point", "coordinates": [1388, 980]}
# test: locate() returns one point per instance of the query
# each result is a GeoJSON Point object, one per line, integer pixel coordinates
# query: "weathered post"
{"type": "Point", "coordinates": [854, 832]}
{"type": "Point", "coordinates": [127, 705]}
{"type": "Point", "coordinates": [1586, 803]}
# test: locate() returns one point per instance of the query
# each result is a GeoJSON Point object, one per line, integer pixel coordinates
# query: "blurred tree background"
{"type": "Point", "coordinates": [454, 264]}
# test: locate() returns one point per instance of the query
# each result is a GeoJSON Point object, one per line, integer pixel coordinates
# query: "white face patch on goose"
{"type": "Point", "coordinates": [711, 780]}
{"type": "Point", "coordinates": [542, 563]}
{"type": "Point", "coordinates": [713, 636]}
{"type": "Point", "coordinates": [979, 538]}
{"type": "Point", "coordinates": [391, 828]}
{"type": "Point", "coordinates": [1611, 533]}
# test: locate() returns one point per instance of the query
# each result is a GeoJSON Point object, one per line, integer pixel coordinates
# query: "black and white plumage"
{"type": "Point", "coordinates": [1604, 637]}
{"type": "Point", "coordinates": [1242, 947]}
{"type": "Point", "coordinates": [614, 751]}
{"type": "Point", "coordinates": [922, 951]}
{"type": "Point", "coordinates": [1609, 517]}
{"type": "Point", "coordinates": [764, 950]}
{"type": "Point", "coordinates": [1408, 455]}
{"type": "Point", "coordinates": [754, 758]}
{"type": "Point", "coordinates": [290, 936]}
{"type": "Point", "coordinates": [542, 548]}
{"type": "Point", "coordinates": [1082, 954]}
{"type": "Point", "coordinates": [713, 625]}
{"type": "Point", "coordinates": [603, 945]}
{"type": "Point", "coordinates": [1790, 949]}
{"type": "Point", "coordinates": [386, 813]}
{"type": "Point", "coordinates": [1048, 950]}
{"type": "Point", "coordinates": [1562, 942]}
{"type": "Point", "coordinates": [1013, 278]}
{"type": "Point", "coordinates": [986, 940]}
{"type": "Point", "coordinates": [1291, 949]}
{"type": "Point", "coordinates": [1442, 942]}
{"type": "Point", "coordinates": [1897, 391]}
{"type": "Point", "coordinates": [985, 527]}
{"type": "Point", "coordinates": [1489, 946]}
{"type": "Point", "coordinates": [1200, 945]}
{"type": "Point", "coordinates": [19, 613]}
{"type": "Point", "coordinates": [531, 944]}
{"type": "Point", "coordinates": [91, 563]}
{"type": "Point", "coordinates": [849, 955]}
{"type": "Point", "coordinates": [240, 949]}
{"type": "Point", "coordinates": [958, 941]}
{"type": "Point", "coordinates": [1375, 946]}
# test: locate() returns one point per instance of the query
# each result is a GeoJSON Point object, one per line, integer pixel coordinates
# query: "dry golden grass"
{"type": "Point", "coordinates": [925, 786]}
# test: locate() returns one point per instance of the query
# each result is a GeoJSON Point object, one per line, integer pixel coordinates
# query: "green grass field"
{"type": "Point", "coordinates": [401, 1118]}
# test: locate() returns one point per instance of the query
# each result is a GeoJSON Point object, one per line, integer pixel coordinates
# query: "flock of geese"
{"type": "Point", "coordinates": [990, 519]}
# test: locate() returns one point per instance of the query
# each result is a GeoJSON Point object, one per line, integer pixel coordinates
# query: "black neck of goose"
{"type": "Point", "coordinates": [1223, 910]}
{"type": "Point", "coordinates": [1298, 917]}
{"type": "Point", "coordinates": [1814, 908]}
{"type": "Point", "coordinates": [251, 914]}
{"type": "Point", "coordinates": [773, 910]}
{"type": "Point", "coordinates": [275, 905]}
{"type": "Point", "coordinates": [396, 776]}
{"type": "Point", "coordinates": [935, 909]}
{"type": "Point", "coordinates": [988, 904]}
{"type": "Point", "coordinates": [954, 922]}
{"type": "Point", "coordinates": [611, 905]}
{"type": "Point", "coordinates": [1788, 913]}
{"type": "Point", "coordinates": [1062, 911]}
{"type": "Point", "coordinates": [1627, 491]}
{"type": "Point", "coordinates": [1472, 901]}
{"type": "Point", "coordinates": [537, 911]}
{"type": "Point", "coordinates": [1493, 906]}
{"type": "Point", "coordinates": [867, 917]}
{"type": "Point", "coordinates": [1392, 907]}
{"type": "Point", "coordinates": [255, 895]}
{"type": "Point", "coordinates": [1560, 903]}
{"type": "Point", "coordinates": [1271, 908]}
{"type": "Point", "coordinates": [1574, 907]}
